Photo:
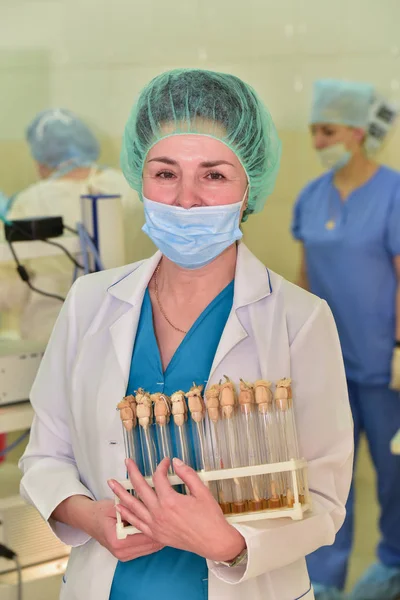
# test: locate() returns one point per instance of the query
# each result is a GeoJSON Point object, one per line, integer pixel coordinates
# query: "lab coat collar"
{"type": "Point", "coordinates": [252, 280]}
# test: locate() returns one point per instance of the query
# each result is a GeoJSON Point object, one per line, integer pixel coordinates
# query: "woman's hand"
{"type": "Point", "coordinates": [103, 526]}
{"type": "Point", "coordinates": [194, 523]}
{"type": "Point", "coordinates": [98, 519]}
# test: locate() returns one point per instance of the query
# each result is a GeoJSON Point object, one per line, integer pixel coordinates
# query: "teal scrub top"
{"type": "Point", "coordinates": [171, 574]}
{"type": "Point", "coordinates": [349, 248]}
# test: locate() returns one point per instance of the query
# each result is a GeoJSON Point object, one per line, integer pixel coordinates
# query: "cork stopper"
{"type": "Point", "coordinates": [263, 394]}
{"type": "Point", "coordinates": [179, 408]}
{"type": "Point", "coordinates": [196, 403]}
{"type": "Point", "coordinates": [227, 398]}
{"type": "Point", "coordinates": [127, 412]}
{"type": "Point", "coordinates": [283, 394]}
{"type": "Point", "coordinates": [162, 408]}
{"type": "Point", "coordinates": [246, 396]}
{"type": "Point", "coordinates": [212, 402]}
{"type": "Point", "coordinates": [144, 409]}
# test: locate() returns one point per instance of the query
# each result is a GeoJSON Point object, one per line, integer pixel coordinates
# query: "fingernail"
{"type": "Point", "coordinates": [111, 484]}
{"type": "Point", "coordinates": [126, 462]}
{"type": "Point", "coordinates": [178, 462]}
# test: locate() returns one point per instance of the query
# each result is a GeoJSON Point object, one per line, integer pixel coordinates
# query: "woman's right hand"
{"type": "Point", "coordinates": [98, 519]}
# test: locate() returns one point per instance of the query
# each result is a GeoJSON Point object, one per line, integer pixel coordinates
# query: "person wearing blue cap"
{"type": "Point", "coordinates": [348, 221]}
{"type": "Point", "coordinates": [66, 152]}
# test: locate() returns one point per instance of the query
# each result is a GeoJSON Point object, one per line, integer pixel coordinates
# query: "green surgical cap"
{"type": "Point", "coordinates": [194, 101]}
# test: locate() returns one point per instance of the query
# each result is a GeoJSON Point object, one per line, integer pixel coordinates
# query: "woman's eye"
{"type": "Point", "coordinates": [215, 176]}
{"type": "Point", "coordinates": [165, 175]}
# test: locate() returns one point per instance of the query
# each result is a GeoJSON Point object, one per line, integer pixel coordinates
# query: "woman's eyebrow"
{"type": "Point", "coordinates": [164, 159]}
{"type": "Point", "coordinates": [215, 163]}
{"type": "Point", "coordinates": [206, 165]}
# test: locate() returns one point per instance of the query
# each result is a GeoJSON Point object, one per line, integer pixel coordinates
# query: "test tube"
{"type": "Point", "coordinates": [289, 446]}
{"type": "Point", "coordinates": [223, 488]}
{"type": "Point", "coordinates": [162, 413]}
{"type": "Point", "coordinates": [127, 411]}
{"type": "Point", "coordinates": [248, 421]}
{"type": "Point", "coordinates": [197, 412]}
{"type": "Point", "coordinates": [180, 415]}
{"type": "Point", "coordinates": [232, 457]}
{"type": "Point", "coordinates": [144, 414]}
{"type": "Point", "coordinates": [270, 440]}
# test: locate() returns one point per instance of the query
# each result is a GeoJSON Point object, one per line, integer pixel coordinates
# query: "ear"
{"type": "Point", "coordinates": [44, 171]}
{"type": "Point", "coordinates": [359, 134]}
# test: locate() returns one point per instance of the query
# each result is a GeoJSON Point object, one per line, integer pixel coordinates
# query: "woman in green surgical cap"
{"type": "Point", "coordinates": [203, 153]}
{"type": "Point", "coordinates": [348, 221]}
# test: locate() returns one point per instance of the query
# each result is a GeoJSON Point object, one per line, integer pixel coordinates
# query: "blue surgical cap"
{"type": "Point", "coordinates": [58, 136]}
{"type": "Point", "coordinates": [342, 102]}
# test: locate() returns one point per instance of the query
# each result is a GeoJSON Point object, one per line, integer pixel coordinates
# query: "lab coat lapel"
{"type": "Point", "coordinates": [252, 283]}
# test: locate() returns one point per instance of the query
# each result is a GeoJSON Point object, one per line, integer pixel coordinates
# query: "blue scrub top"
{"type": "Point", "coordinates": [171, 574]}
{"type": "Point", "coordinates": [351, 265]}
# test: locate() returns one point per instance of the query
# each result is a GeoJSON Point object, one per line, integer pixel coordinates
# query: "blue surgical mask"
{"type": "Point", "coordinates": [334, 157]}
{"type": "Point", "coordinates": [194, 237]}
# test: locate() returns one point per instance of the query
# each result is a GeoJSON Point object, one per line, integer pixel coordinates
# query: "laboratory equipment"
{"type": "Point", "coordinates": [19, 363]}
{"type": "Point", "coordinates": [245, 446]}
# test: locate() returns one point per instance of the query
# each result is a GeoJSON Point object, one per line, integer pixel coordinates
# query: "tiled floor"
{"type": "Point", "coordinates": [366, 515]}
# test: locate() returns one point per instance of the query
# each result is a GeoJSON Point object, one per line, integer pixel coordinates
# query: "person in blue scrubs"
{"type": "Point", "coordinates": [348, 222]}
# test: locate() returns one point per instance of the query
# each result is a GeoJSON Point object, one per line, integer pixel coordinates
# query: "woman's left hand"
{"type": "Point", "coordinates": [194, 522]}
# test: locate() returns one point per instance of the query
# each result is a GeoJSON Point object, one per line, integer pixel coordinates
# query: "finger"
{"type": "Point", "coordinates": [130, 502]}
{"type": "Point", "coordinates": [160, 478]}
{"type": "Point", "coordinates": [142, 488]}
{"type": "Point", "coordinates": [190, 478]}
{"type": "Point", "coordinates": [131, 518]}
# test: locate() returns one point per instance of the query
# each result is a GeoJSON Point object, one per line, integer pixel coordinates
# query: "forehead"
{"type": "Point", "coordinates": [332, 126]}
{"type": "Point", "coordinates": [193, 147]}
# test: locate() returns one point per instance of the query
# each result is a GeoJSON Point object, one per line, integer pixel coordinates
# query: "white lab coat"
{"type": "Point", "coordinates": [275, 330]}
{"type": "Point", "coordinates": [54, 275]}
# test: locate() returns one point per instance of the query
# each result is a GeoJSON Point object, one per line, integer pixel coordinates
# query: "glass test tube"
{"type": "Point", "coordinates": [232, 456]}
{"type": "Point", "coordinates": [197, 412]}
{"type": "Point", "coordinates": [270, 440]}
{"type": "Point", "coordinates": [251, 440]}
{"type": "Point", "coordinates": [162, 413]}
{"type": "Point", "coordinates": [144, 413]}
{"type": "Point", "coordinates": [127, 408]}
{"type": "Point", "coordinates": [180, 414]}
{"type": "Point", "coordinates": [288, 436]}
{"type": "Point", "coordinates": [223, 490]}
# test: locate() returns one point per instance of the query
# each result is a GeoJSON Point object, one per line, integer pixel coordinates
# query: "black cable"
{"type": "Point", "coordinates": [67, 252]}
{"type": "Point", "coordinates": [23, 273]}
{"type": "Point", "coordinates": [9, 554]}
{"type": "Point", "coordinates": [71, 229]}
